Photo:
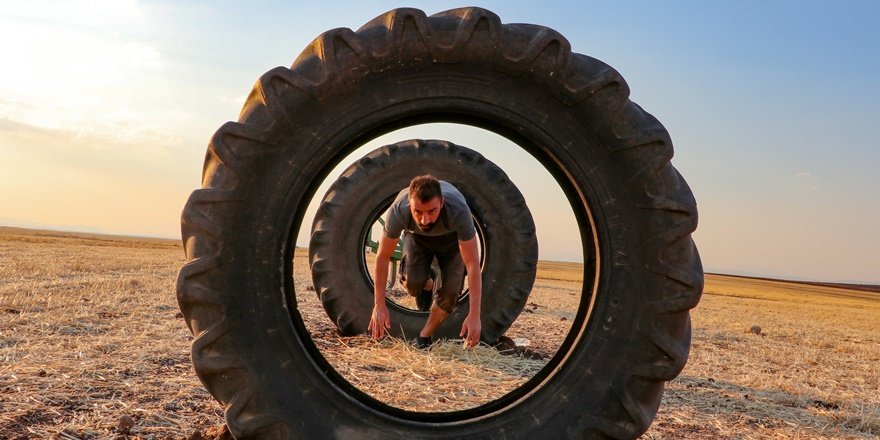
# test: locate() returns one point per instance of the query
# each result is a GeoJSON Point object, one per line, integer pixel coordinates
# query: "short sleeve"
{"type": "Point", "coordinates": [394, 220]}
{"type": "Point", "coordinates": [464, 226]}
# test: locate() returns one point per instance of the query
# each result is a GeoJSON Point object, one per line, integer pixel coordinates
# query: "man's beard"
{"type": "Point", "coordinates": [426, 228]}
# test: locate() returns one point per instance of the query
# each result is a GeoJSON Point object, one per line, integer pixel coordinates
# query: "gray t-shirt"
{"type": "Point", "coordinates": [455, 216]}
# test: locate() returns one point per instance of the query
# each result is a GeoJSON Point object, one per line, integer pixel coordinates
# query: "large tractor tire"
{"type": "Point", "coordinates": [367, 188]}
{"type": "Point", "coordinates": [642, 273]}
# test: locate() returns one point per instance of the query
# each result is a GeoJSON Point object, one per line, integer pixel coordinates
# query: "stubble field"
{"type": "Point", "coordinates": [92, 345]}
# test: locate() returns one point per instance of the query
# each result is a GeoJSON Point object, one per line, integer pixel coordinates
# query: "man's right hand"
{"type": "Point", "coordinates": [380, 321]}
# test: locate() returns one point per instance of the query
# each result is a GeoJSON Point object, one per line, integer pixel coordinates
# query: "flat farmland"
{"type": "Point", "coordinates": [92, 345]}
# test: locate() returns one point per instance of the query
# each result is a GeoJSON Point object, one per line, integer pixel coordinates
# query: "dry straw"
{"type": "Point", "coordinates": [92, 346]}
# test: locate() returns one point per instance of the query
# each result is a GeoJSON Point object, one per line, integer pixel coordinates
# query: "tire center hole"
{"type": "Point", "coordinates": [447, 378]}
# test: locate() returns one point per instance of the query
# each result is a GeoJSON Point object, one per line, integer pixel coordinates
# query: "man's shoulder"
{"type": "Point", "coordinates": [402, 200]}
{"type": "Point", "coordinates": [398, 214]}
{"type": "Point", "coordinates": [453, 196]}
{"type": "Point", "coordinates": [459, 216]}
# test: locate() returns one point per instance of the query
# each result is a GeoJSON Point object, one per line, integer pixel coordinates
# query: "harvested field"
{"type": "Point", "coordinates": [92, 346]}
{"type": "Point", "coordinates": [446, 378]}
{"type": "Point", "coordinates": [774, 359]}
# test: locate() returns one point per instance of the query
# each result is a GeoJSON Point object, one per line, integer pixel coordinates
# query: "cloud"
{"type": "Point", "coordinates": [8, 126]}
{"type": "Point", "coordinates": [84, 13]}
{"type": "Point", "coordinates": [74, 61]}
{"type": "Point", "coordinates": [92, 152]}
{"type": "Point", "coordinates": [808, 177]}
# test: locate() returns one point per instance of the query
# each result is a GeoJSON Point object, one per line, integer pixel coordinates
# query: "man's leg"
{"type": "Point", "coordinates": [446, 296]}
{"type": "Point", "coordinates": [426, 296]}
{"type": "Point", "coordinates": [435, 318]}
{"type": "Point", "coordinates": [452, 267]}
{"type": "Point", "coordinates": [415, 271]}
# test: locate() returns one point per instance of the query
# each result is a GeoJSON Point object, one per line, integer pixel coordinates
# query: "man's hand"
{"type": "Point", "coordinates": [472, 328]}
{"type": "Point", "coordinates": [471, 257]}
{"type": "Point", "coordinates": [379, 322]}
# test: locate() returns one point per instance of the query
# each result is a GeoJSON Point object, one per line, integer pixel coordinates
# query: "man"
{"type": "Point", "coordinates": [437, 224]}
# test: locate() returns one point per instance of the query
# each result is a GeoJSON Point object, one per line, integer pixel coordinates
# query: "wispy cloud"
{"type": "Point", "coordinates": [73, 62]}
{"type": "Point", "coordinates": [89, 150]}
{"type": "Point", "coordinates": [84, 13]}
{"type": "Point", "coordinates": [808, 177]}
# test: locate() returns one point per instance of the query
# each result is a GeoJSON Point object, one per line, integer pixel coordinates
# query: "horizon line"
{"type": "Point", "coordinates": [735, 273]}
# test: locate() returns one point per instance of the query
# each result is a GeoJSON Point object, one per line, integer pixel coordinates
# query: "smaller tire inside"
{"type": "Point", "coordinates": [364, 191]}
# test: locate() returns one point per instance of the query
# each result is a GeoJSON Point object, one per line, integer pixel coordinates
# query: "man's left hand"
{"type": "Point", "coordinates": [471, 329]}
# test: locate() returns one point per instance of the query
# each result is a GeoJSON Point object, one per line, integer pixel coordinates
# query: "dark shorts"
{"type": "Point", "coordinates": [419, 252]}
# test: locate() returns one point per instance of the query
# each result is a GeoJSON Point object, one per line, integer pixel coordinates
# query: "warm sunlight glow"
{"type": "Point", "coordinates": [81, 58]}
{"type": "Point", "coordinates": [82, 13]}
{"type": "Point", "coordinates": [106, 104]}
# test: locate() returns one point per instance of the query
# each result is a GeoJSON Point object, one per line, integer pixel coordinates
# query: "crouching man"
{"type": "Point", "coordinates": [436, 222]}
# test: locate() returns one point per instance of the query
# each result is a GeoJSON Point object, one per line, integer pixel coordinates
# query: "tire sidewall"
{"type": "Point", "coordinates": [594, 177]}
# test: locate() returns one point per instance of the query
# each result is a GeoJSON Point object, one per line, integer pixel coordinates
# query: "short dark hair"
{"type": "Point", "coordinates": [424, 188]}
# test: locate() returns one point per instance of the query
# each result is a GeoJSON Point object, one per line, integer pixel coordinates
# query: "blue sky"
{"type": "Point", "coordinates": [106, 108]}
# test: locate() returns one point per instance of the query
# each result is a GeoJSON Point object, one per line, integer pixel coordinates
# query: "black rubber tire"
{"type": "Point", "coordinates": [366, 188]}
{"type": "Point", "coordinates": [642, 272]}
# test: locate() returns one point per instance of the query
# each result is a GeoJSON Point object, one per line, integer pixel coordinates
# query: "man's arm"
{"type": "Point", "coordinates": [472, 325]}
{"type": "Point", "coordinates": [380, 321]}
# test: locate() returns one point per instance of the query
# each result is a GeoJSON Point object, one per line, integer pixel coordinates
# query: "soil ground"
{"type": "Point", "coordinates": [92, 345]}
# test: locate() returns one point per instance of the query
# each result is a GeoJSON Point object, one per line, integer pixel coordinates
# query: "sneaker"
{"type": "Point", "coordinates": [423, 342]}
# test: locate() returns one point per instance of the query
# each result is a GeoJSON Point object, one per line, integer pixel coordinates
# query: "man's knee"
{"type": "Point", "coordinates": [450, 289]}
{"type": "Point", "coordinates": [414, 283]}
{"type": "Point", "coordinates": [446, 302]}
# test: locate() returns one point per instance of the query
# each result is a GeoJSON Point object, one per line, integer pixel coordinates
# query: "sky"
{"type": "Point", "coordinates": [107, 107]}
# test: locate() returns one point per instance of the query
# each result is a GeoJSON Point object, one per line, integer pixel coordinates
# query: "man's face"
{"type": "Point", "coordinates": [425, 213]}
